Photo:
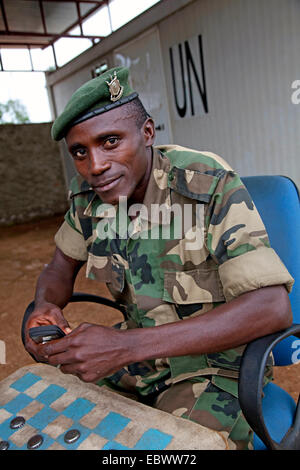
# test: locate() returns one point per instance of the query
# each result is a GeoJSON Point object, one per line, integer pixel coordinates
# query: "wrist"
{"type": "Point", "coordinates": [145, 343]}
{"type": "Point", "coordinates": [42, 304]}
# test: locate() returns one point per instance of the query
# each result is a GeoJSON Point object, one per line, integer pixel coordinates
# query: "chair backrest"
{"type": "Point", "coordinates": [277, 200]}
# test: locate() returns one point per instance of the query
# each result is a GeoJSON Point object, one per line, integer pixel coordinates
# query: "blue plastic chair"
{"type": "Point", "coordinates": [273, 414]}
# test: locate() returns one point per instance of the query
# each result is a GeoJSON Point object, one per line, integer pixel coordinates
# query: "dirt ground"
{"type": "Point", "coordinates": [24, 250]}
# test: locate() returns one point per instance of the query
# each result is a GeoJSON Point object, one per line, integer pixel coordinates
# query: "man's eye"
{"type": "Point", "coordinates": [111, 141]}
{"type": "Point", "coordinates": [79, 154]}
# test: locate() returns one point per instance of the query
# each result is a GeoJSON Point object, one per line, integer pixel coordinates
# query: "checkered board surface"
{"type": "Point", "coordinates": [53, 403]}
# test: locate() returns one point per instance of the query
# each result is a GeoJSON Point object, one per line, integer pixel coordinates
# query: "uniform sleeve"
{"type": "Point", "coordinates": [69, 238]}
{"type": "Point", "coordinates": [238, 241]}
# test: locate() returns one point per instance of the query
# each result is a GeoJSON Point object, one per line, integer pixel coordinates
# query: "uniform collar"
{"type": "Point", "coordinates": [157, 195]}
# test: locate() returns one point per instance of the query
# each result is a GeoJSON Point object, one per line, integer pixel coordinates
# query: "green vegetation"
{"type": "Point", "coordinates": [13, 112]}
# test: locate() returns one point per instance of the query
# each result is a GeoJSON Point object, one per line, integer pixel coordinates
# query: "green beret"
{"type": "Point", "coordinates": [97, 96]}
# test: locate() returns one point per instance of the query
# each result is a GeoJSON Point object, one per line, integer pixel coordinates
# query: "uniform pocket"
{"type": "Point", "coordinates": [193, 286]}
{"type": "Point", "coordinates": [106, 269]}
{"type": "Point", "coordinates": [117, 275]}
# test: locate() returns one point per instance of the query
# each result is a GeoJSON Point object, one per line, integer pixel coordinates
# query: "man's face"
{"type": "Point", "coordinates": [112, 154]}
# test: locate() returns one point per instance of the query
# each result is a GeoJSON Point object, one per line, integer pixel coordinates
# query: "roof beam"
{"type": "Point", "coordinates": [42, 13]}
{"type": "Point", "coordinates": [21, 45]}
{"type": "Point", "coordinates": [79, 17]}
{"type": "Point", "coordinates": [48, 35]}
{"type": "Point", "coordinates": [99, 2]}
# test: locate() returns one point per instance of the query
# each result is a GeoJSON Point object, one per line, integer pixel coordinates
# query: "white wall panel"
{"type": "Point", "coordinates": [251, 58]}
{"type": "Point", "coordinates": [64, 89]}
{"type": "Point", "coordinates": [143, 59]}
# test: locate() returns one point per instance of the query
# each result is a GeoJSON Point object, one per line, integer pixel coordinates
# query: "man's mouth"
{"type": "Point", "coordinates": [107, 185]}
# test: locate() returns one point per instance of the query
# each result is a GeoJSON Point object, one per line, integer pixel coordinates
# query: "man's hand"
{"type": "Point", "coordinates": [90, 352]}
{"type": "Point", "coordinates": [48, 314]}
{"type": "Point", "coordinates": [53, 292]}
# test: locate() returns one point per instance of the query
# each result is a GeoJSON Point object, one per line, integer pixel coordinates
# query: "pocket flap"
{"type": "Point", "coordinates": [192, 183]}
{"type": "Point", "coordinates": [194, 286]}
{"type": "Point", "coordinates": [99, 268]}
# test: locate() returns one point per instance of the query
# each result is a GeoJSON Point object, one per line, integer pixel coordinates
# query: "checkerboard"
{"type": "Point", "coordinates": [52, 403]}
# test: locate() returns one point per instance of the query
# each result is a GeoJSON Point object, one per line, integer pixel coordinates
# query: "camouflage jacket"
{"type": "Point", "coordinates": [197, 241]}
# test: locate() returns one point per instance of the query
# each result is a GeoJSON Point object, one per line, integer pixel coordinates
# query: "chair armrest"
{"type": "Point", "coordinates": [82, 297]}
{"type": "Point", "coordinates": [251, 378]}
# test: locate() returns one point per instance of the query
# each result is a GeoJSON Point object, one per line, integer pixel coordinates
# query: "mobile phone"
{"type": "Point", "coordinates": [43, 334]}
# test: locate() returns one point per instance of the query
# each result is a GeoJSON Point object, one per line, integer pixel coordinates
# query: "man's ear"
{"type": "Point", "coordinates": [149, 132]}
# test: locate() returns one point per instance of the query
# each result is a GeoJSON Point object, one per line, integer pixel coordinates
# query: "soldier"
{"type": "Point", "coordinates": [178, 240]}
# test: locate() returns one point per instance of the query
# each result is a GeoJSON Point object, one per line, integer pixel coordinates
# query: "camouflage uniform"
{"type": "Point", "coordinates": [172, 267]}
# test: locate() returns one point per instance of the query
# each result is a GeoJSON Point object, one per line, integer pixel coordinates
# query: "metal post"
{"type": "Point", "coordinates": [79, 18]}
{"type": "Point", "coordinates": [30, 57]}
{"type": "Point", "coordinates": [54, 56]}
{"type": "Point", "coordinates": [109, 16]}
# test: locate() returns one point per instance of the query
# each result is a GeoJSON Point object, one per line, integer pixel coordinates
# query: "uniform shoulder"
{"type": "Point", "coordinates": [183, 157]}
{"type": "Point", "coordinates": [197, 174]}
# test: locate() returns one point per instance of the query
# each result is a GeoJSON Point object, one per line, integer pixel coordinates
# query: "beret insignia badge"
{"type": "Point", "coordinates": [116, 90]}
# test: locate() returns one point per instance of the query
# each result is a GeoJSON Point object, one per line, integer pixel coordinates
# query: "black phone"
{"type": "Point", "coordinates": [43, 334]}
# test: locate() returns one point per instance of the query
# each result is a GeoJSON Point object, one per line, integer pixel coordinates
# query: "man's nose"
{"type": "Point", "coordinates": [98, 163]}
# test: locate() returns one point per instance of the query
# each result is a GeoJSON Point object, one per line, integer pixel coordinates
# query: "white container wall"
{"type": "Point", "coordinates": [250, 59]}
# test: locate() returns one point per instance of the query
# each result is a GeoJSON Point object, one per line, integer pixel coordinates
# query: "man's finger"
{"type": "Point", "coordinates": [70, 369]}
{"type": "Point", "coordinates": [55, 346]}
{"type": "Point", "coordinates": [60, 359]}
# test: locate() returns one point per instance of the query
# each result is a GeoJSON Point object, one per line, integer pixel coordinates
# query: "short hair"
{"type": "Point", "coordinates": [136, 109]}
